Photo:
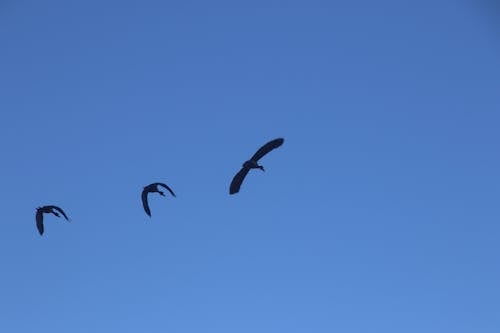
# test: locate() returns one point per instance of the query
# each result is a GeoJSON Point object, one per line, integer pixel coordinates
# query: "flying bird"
{"type": "Point", "coordinates": [47, 209]}
{"type": "Point", "coordinates": [252, 164]}
{"type": "Point", "coordinates": [150, 189]}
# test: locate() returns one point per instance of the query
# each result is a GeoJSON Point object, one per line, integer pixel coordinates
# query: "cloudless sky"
{"type": "Point", "coordinates": [380, 213]}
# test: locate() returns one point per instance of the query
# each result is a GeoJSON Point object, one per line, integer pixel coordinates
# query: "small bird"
{"type": "Point", "coordinates": [252, 164]}
{"type": "Point", "coordinates": [150, 189]}
{"type": "Point", "coordinates": [47, 209]}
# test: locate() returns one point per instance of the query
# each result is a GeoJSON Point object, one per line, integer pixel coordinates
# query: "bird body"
{"type": "Point", "coordinates": [153, 188]}
{"type": "Point", "coordinates": [47, 210]}
{"type": "Point", "coordinates": [252, 163]}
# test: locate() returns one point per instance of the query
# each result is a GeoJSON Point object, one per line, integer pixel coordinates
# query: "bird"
{"type": "Point", "coordinates": [252, 164]}
{"type": "Point", "coordinates": [47, 209]}
{"type": "Point", "coordinates": [150, 189]}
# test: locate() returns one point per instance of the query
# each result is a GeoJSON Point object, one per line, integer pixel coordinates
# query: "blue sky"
{"type": "Point", "coordinates": [378, 214]}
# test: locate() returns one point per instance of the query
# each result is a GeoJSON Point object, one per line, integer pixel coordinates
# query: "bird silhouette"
{"type": "Point", "coordinates": [151, 188]}
{"type": "Point", "coordinates": [47, 209]}
{"type": "Point", "coordinates": [252, 164]}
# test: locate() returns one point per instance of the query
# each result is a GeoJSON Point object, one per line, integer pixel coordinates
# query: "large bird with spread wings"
{"type": "Point", "coordinates": [252, 164]}
{"type": "Point", "coordinates": [48, 210]}
{"type": "Point", "coordinates": [151, 188]}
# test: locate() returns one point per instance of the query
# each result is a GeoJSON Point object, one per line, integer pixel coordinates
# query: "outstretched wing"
{"type": "Point", "coordinates": [39, 221]}
{"type": "Point", "coordinates": [167, 187]}
{"type": "Point", "coordinates": [237, 180]}
{"type": "Point", "coordinates": [60, 211]}
{"type": "Point", "coordinates": [144, 197]}
{"type": "Point", "coordinates": [267, 148]}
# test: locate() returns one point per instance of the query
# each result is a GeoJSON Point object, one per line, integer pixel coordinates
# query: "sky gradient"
{"type": "Point", "coordinates": [380, 212]}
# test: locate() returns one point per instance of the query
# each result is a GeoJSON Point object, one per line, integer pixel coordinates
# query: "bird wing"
{"type": "Point", "coordinates": [267, 148]}
{"type": "Point", "coordinates": [39, 221]}
{"type": "Point", "coordinates": [167, 187]}
{"type": "Point", "coordinates": [144, 197]}
{"type": "Point", "coordinates": [237, 180]}
{"type": "Point", "coordinates": [60, 211]}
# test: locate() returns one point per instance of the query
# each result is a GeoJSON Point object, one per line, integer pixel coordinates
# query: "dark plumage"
{"type": "Point", "coordinates": [150, 189]}
{"type": "Point", "coordinates": [47, 209]}
{"type": "Point", "coordinates": [252, 164]}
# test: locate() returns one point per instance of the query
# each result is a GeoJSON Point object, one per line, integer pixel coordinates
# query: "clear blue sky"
{"type": "Point", "coordinates": [380, 213]}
